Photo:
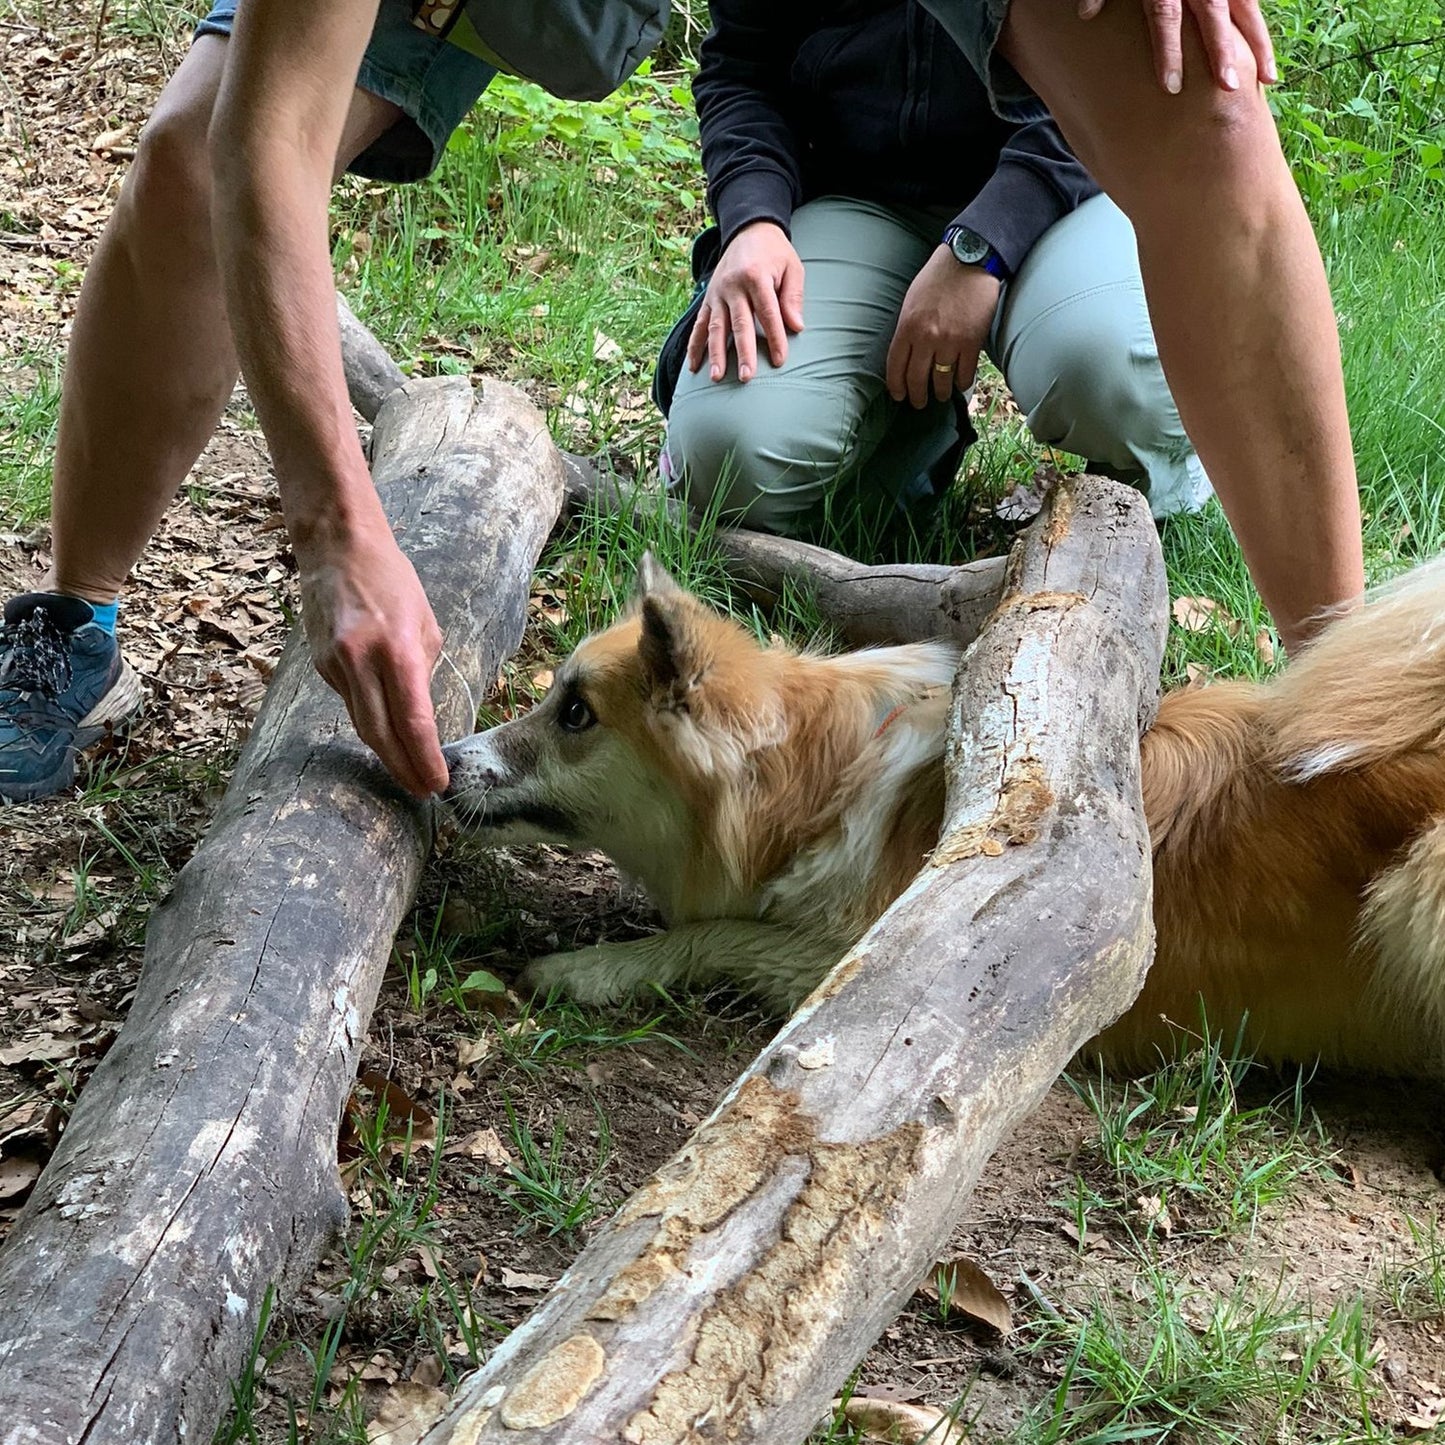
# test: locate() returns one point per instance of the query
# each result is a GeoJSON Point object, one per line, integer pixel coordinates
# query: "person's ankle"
{"type": "Point", "coordinates": [105, 614]}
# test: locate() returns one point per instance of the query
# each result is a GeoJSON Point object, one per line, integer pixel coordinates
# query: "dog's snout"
{"type": "Point", "coordinates": [470, 766]}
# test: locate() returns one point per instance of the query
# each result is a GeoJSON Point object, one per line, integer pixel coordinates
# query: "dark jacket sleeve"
{"type": "Point", "coordinates": [741, 90]}
{"type": "Point", "coordinates": [1037, 181]}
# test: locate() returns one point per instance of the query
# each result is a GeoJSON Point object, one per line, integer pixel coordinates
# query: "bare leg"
{"type": "Point", "coordinates": [1236, 289]}
{"type": "Point", "coordinates": [151, 364]}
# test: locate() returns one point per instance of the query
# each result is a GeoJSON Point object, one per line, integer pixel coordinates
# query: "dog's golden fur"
{"type": "Point", "coordinates": [774, 803]}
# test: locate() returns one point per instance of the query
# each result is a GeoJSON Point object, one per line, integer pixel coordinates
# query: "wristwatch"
{"type": "Point", "coordinates": [970, 249]}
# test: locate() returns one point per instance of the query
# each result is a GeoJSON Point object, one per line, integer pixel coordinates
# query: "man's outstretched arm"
{"type": "Point", "coordinates": [278, 122]}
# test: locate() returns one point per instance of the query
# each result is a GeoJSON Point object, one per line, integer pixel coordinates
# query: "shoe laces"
{"type": "Point", "coordinates": [36, 656]}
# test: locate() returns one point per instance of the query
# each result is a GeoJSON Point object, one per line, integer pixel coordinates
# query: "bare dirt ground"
{"type": "Point", "coordinates": [204, 621]}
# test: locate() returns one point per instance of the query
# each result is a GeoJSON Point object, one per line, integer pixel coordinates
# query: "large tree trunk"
{"type": "Point", "coordinates": [200, 1163]}
{"type": "Point", "coordinates": [733, 1293]}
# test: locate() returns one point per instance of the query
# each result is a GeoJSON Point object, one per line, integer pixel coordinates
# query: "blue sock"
{"type": "Point", "coordinates": [105, 615]}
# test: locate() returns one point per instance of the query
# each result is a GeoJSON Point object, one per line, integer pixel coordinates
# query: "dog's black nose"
{"type": "Point", "coordinates": [470, 766]}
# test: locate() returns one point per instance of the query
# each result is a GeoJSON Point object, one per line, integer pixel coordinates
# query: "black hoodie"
{"type": "Point", "coordinates": [873, 100]}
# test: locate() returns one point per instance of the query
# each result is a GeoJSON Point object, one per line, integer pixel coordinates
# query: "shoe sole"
{"type": "Point", "coordinates": [118, 706]}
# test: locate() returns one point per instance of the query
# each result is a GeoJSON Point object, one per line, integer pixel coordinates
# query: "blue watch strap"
{"type": "Point", "coordinates": [990, 261]}
{"type": "Point", "coordinates": [993, 264]}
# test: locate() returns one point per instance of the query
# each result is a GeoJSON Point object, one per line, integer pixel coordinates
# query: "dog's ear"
{"type": "Point", "coordinates": [669, 642]}
{"type": "Point", "coordinates": [653, 579]}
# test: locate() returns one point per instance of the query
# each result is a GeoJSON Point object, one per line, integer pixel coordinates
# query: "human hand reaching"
{"type": "Point", "coordinates": [942, 327]}
{"type": "Point", "coordinates": [375, 640]}
{"type": "Point", "coordinates": [1220, 23]}
{"type": "Point", "coordinates": [757, 283]}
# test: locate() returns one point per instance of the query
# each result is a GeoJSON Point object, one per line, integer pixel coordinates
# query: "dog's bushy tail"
{"type": "Point", "coordinates": [1372, 687]}
{"type": "Point", "coordinates": [1403, 921]}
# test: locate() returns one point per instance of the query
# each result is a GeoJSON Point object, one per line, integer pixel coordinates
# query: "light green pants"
{"type": "Point", "coordinates": [1071, 336]}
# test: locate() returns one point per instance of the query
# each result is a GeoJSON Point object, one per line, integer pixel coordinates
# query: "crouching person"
{"type": "Point", "coordinates": [879, 229]}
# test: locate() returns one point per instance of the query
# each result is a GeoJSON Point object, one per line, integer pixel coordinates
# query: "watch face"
{"type": "Point", "coordinates": [968, 246]}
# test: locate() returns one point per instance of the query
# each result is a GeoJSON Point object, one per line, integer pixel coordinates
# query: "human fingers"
{"type": "Point", "coordinates": [387, 690]}
{"type": "Point", "coordinates": [768, 310]}
{"type": "Point", "coordinates": [918, 375]}
{"type": "Point", "coordinates": [413, 731]}
{"type": "Point", "coordinates": [717, 342]}
{"type": "Point", "coordinates": [943, 374]}
{"type": "Point", "coordinates": [895, 369]}
{"type": "Point", "coordinates": [1216, 30]}
{"type": "Point", "coordinates": [1249, 21]}
{"type": "Point", "coordinates": [790, 293]}
{"type": "Point", "coordinates": [1165, 19]}
{"type": "Point", "coordinates": [698, 337]}
{"type": "Point", "coordinates": [745, 336]}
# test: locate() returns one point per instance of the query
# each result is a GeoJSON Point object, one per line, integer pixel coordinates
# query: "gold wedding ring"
{"type": "Point", "coordinates": [943, 366]}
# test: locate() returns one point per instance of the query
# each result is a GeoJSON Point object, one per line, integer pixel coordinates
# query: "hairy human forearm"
{"type": "Point", "coordinates": [271, 218]}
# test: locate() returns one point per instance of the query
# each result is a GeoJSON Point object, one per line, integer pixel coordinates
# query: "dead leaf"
{"type": "Point", "coordinates": [961, 1286]}
{"type": "Point", "coordinates": [1200, 614]}
{"type": "Point", "coordinates": [1264, 646]}
{"type": "Point", "coordinates": [483, 1144]}
{"type": "Point", "coordinates": [429, 1371]}
{"type": "Point", "coordinates": [381, 1366]}
{"type": "Point", "coordinates": [1155, 1213]}
{"type": "Point", "coordinates": [47, 1049]}
{"type": "Point", "coordinates": [472, 1051]}
{"type": "Point", "coordinates": [518, 1279]}
{"type": "Point", "coordinates": [604, 348]}
{"type": "Point", "coordinates": [408, 1410]}
{"type": "Point", "coordinates": [17, 1178]}
{"type": "Point", "coordinates": [406, 1120]}
{"type": "Point", "coordinates": [897, 1423]}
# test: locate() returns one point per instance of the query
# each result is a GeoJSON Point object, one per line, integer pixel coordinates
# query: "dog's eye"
{"type": "Point", "coordinates": [576, 716]}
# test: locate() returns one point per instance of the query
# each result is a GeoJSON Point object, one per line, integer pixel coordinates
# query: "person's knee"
{"type": "Point", "coordinates": [1102, 391]}
{"type": "Point", "coordinates": [743, 462]}
{"type": "Point", "coordinates": [170, 181]}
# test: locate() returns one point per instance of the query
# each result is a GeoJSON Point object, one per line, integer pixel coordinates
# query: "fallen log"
{"type": "Point", "coordinates": [736, 1289]}
{"type": "Point", "coordinates": [199, 1166]}
{"type": "Point", "coordinates": [371, 374]}
{"type": "Point", "coordinates": [868, 605]}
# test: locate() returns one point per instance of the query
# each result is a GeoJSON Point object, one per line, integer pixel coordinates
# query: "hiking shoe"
{"type": "Point", "coordinates": [63, 683]}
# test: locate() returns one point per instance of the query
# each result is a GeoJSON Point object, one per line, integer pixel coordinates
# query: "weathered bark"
{"type": "Point", "coordinates": [901, 602]}
{"type": "Point", "coordinates": [732, 1294]}
{"type": "Point", "coordinates": [200, 1163]}
{"type": "Point", "coordinates": [371, 374]}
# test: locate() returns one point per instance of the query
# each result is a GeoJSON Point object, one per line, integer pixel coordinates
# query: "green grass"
{"type": "Point", "coordinates": [1184, 1364]}
{"type": "Point", "coordinates": [547, 1193]}
{"type": "Point", "coordinates": [1413, 1278]}
{"type": "Point", "coordinates": [1183, 1136]}
{"type": "Point", "coordinates": [29, 405]}
{"type": "Point", "coordinates": [399, 1184]}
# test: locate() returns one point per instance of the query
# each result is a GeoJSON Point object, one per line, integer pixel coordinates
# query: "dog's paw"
{"type": "Point", "coordinates": [586, 976]}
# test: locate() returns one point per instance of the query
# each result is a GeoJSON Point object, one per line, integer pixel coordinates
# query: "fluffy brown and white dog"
{"type": "Point", "coordinates": [773, 803]}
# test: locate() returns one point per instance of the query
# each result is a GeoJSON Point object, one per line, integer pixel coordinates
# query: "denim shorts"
{"type": "Point", "coordinates": [974, 26]}
{"type": "Point", "coordinates": [433, 83]}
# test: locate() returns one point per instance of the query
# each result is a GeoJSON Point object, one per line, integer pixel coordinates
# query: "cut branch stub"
{"type": "Point", "coordinates": [731, 1295]}
{"type": "Point", "coordinates": [199, 1166]}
